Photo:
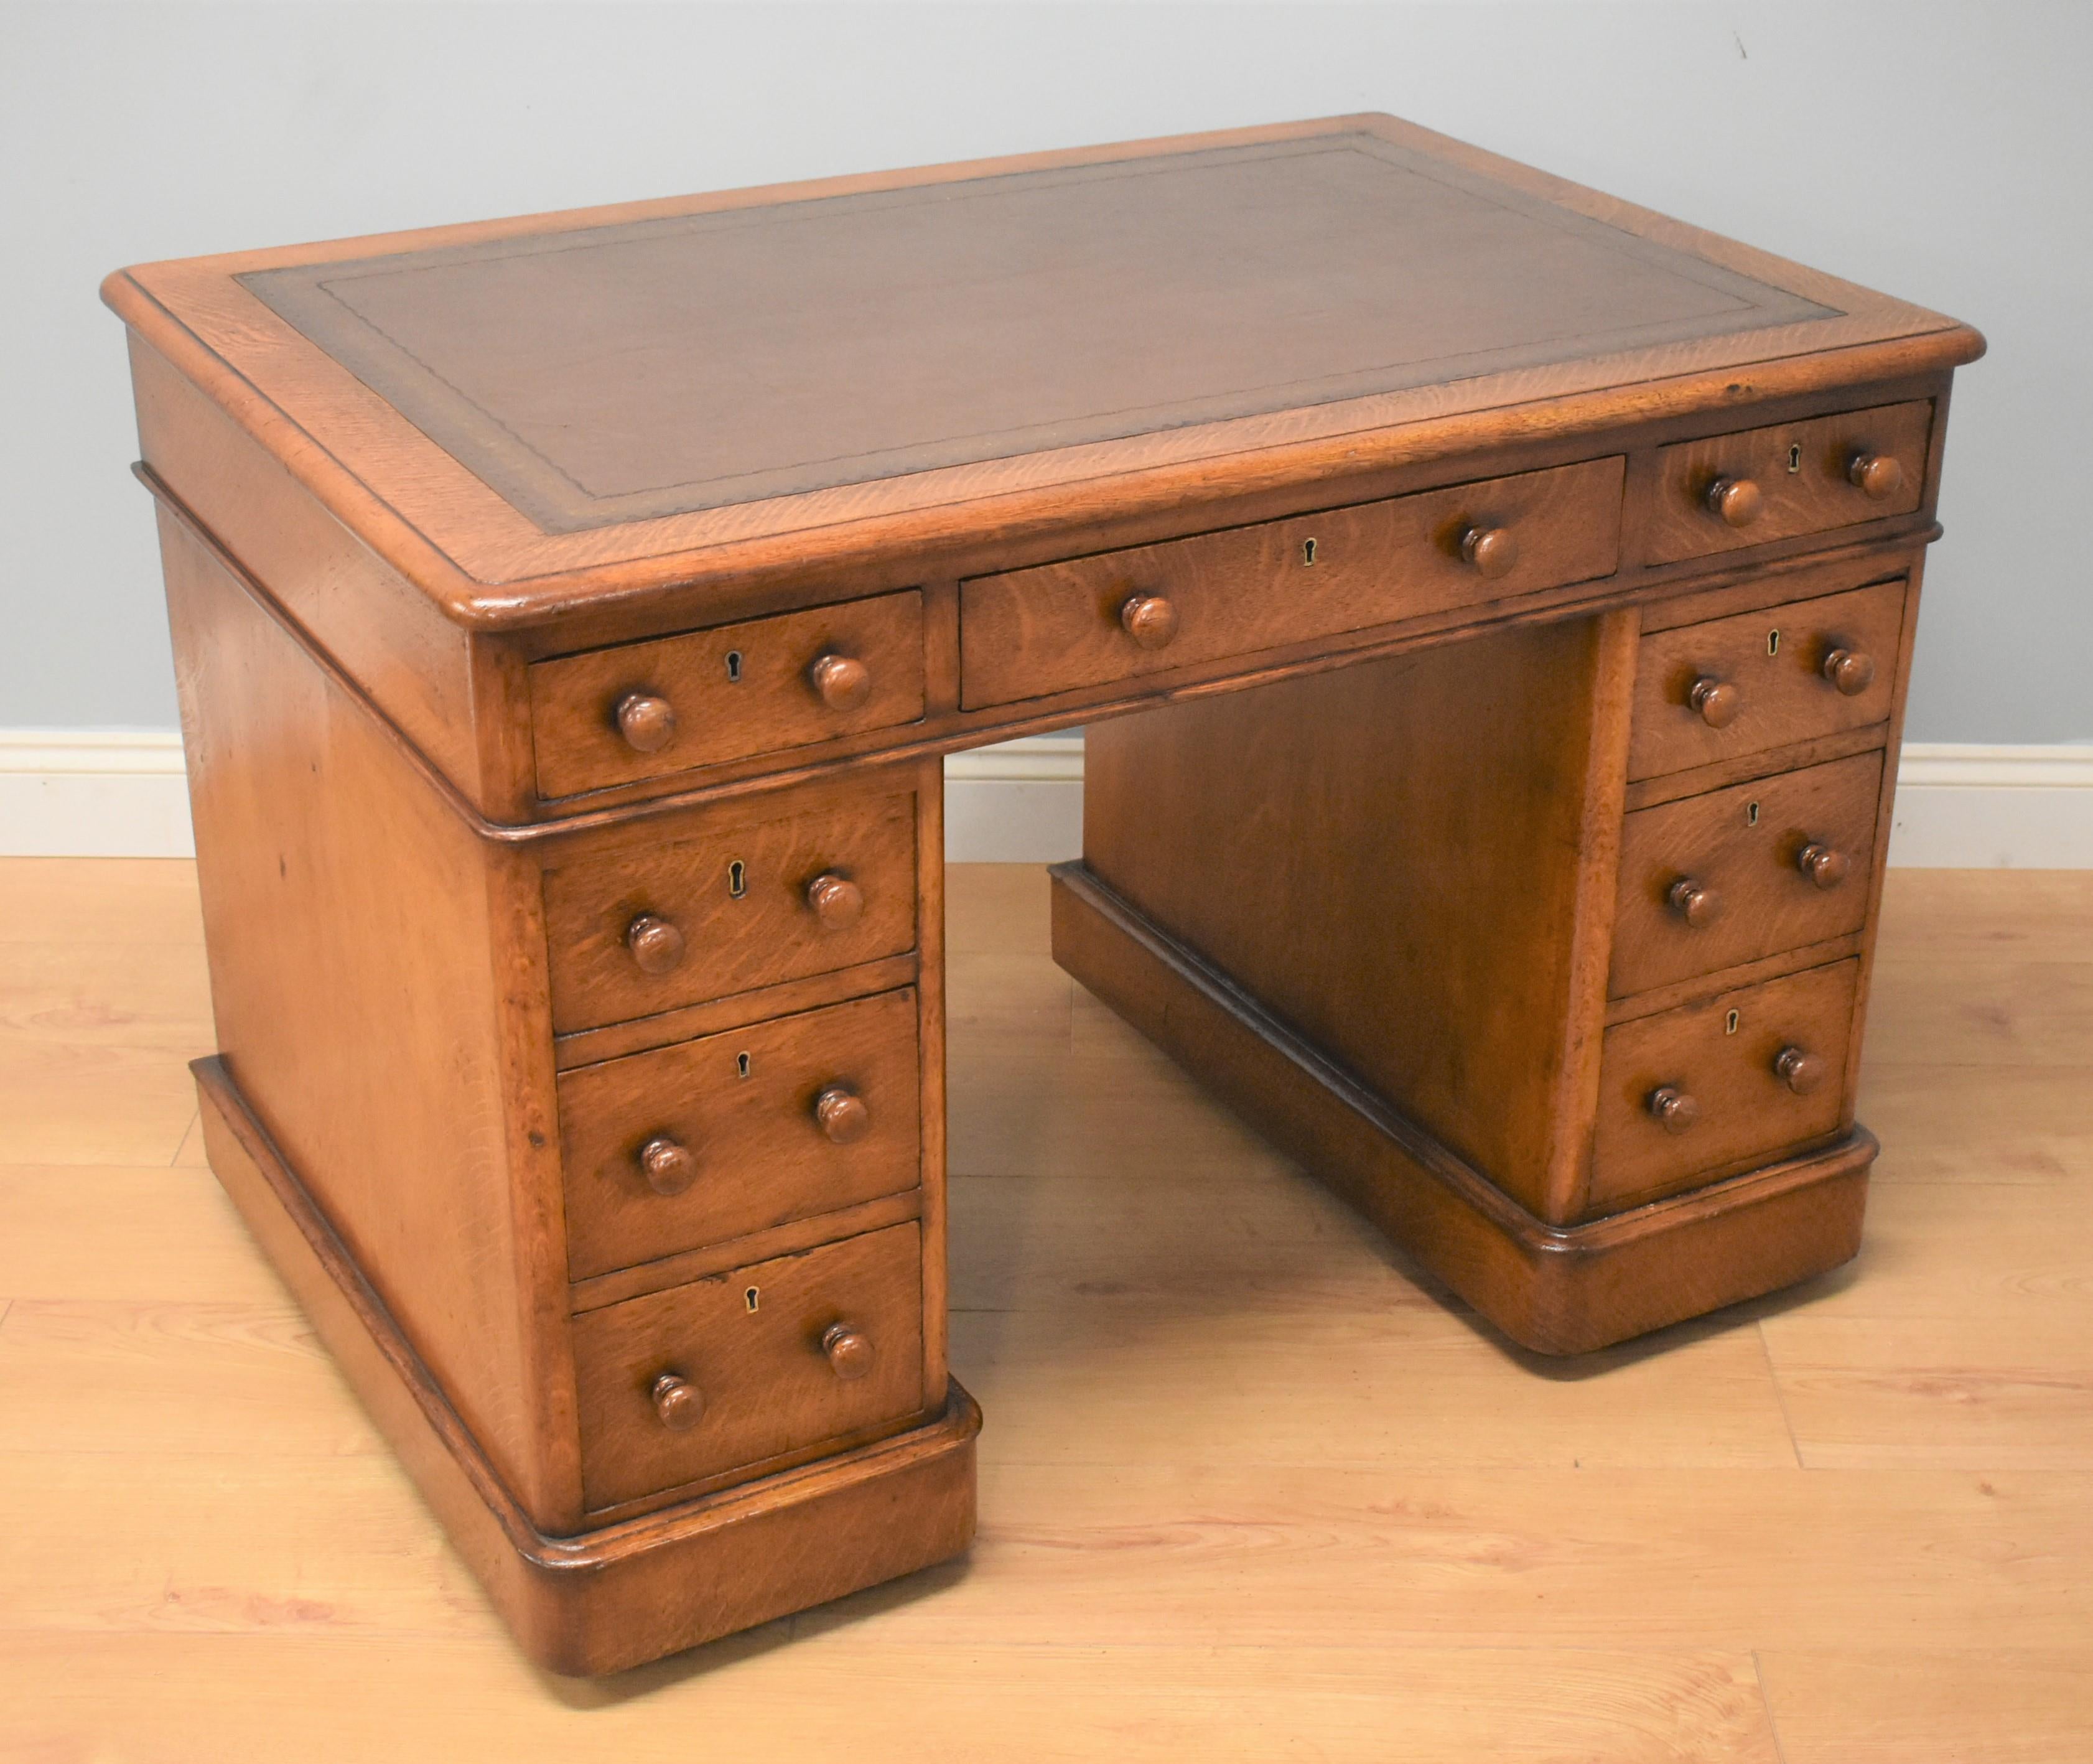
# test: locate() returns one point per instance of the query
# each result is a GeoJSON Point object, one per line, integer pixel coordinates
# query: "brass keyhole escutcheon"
{"type": "Point", "coordinates": [1751, 814]}
{"type": "Point", "coordinates": [1773, 642]}
{"type": "Point", "coordinates": [1794, 457]}
{"type": "Point", "coordinates": [752, 1297]}
{"type": "Point", "coordinates": [733, 667]}
{"type": "Point", "coordinates": [741, 1065]}
{"type": "Point", "coordinates": [1729, 1023]}
{"type": "Point", "coordinates": [736, 878]}
{"type": "Point", "coordinates": [1307, 551]}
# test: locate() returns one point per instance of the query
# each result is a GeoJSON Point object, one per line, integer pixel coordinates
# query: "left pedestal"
{"type": "Point", "coordinates": [607, 1159]}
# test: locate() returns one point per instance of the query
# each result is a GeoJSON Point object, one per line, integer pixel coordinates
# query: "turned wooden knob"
{"type": "Point", "coordinates": [679, 1403]}
{"type": "Point", "coordinates": [1851, 671]}
{"type": "Point", "coordinates": [1673, 1109]}
{"type": "Point", "coordinates": [1717, 700]}
{"type": "Point", "coordinates": [648, 723]}
{"type": "Point", "coordinates": [1695, 903]}
{"type": "Point", "coordinates": [836, 901]}
{"type": "Point", "coordinates": [1876, 476]}
{"type": "Point", "coordinates": [842, 682]}
{"type": "Point", "coordinates": [1735, 501]}
{"type": "Point", "coordinates": [1822, 864]}
{"type": "Point", "coordinates": [840, 1113]}
{"type": "Point", "coordinates": [849, 1350]}
{"type": "Point", "coordinates": [669, 1167]}
{"type": "Point", "coordinates": [1802, 1072]}
{"type": "Point", "coordinates": [1149, 619]}
{"type": "Point", "coordinates": [1492, 550]}
{"type": "Point", "coordinates": [657, 945]}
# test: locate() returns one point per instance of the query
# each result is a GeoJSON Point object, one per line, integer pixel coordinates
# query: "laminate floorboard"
{"type": "Point", "coordinates": [1251, 1487]}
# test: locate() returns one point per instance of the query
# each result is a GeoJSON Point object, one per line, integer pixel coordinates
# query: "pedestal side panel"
{"type": "Point", "coordinates": [360, 979]}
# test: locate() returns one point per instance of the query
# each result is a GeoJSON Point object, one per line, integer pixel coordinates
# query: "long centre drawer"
{"type": "Point", "coordinates": [1117, 615]}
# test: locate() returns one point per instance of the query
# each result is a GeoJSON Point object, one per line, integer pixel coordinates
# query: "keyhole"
{"type": "Point", "coordinates": [1794, 457]}
{"type": "Point", "coordinates": [1773, 642]}
{"type": "Point", "coordinates": [741, 1064]}
{"type": "Point", "coordinates": [736, 878]}
{"type": "Point", "coordinates": [1729, 1028]}
{"type": "Point", "coordinates": [733, 667]}
{"type": "Point", "coordinates": [1751, 814]}
{"type": "Point", "coordinates": [752, 1297]}
{"type": "Point", "coordinates": [1308, 551]}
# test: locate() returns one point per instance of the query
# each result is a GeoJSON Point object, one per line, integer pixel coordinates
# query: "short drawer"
{"type": "Point", "coordinates": [1710, 882]}
{"type": "Point", "coordinates": [714, 1138]}
{"type": "Point", "coordinates": [1762, 679]}
{"type": "Point", "coordinates": [646, 709]}
{"type": "Point", "coordinates": [1121, 615]}
{"type": "Point", "coordinates": [1729, 491]}
{"type": "Point", "coordinates": [742, 902]}
{"type": "Point", "coordinates": [1712, 1088]}
{"type": "Point", "coordinates": [748, 1366]}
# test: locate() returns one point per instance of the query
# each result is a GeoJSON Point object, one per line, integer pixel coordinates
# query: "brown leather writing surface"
{"type": "Point", "coordinates": [666, 365]}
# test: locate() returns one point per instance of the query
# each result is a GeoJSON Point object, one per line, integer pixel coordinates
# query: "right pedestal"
{"type": "Point", "coordinates": [1556, 981]}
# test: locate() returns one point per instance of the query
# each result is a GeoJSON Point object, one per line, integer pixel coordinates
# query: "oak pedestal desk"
{"type": "Point", "coordinates": [1491, 604]}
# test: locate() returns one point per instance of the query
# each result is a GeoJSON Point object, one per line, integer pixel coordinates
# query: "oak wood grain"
{"type": "Point", "coordinates": [786, 997]}
{"type": "Point", "coordinates": [721, 1254]}
{"type": "Point", "coordinates": [1453, 986]}
{"type": "Point", "coordinates": [768, 1387]}
{"type": "Point", "coordinates": [363, 611]}
{"type": "Point", "coordinates": [1665, 595]}
{"type": "Point", "coordinates": [768, 932]}
{"type": "Point", "coordinates": [742, 1106]}
{"type": "Point", "coordinates": [1799, 474]}
{"type": "Point", "coordinates": [732, 691]}
{"type": "Point", "coordinates": [1742, 846]}
{"type": "Point", "coordinates": [1746, 1113]}
{"type": "Point", "coordinates": [1063, 625]}
{"type": "Point", "coordinates": [301, 904]}
{"type": "Point", "coordinates": [1775, 659]}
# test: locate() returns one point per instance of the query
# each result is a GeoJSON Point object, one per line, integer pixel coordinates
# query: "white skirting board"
{"type": "Point", "coordinates": [72, 793]}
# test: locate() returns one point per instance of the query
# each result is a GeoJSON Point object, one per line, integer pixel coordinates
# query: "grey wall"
{"type": "Point", "coordinates": [1939, 150]}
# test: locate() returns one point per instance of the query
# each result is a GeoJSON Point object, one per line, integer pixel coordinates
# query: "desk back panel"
{"type": "Point", "coordinates": [1393, 859]}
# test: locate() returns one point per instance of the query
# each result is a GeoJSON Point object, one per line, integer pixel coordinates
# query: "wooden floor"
{"type": "Point", "coordinates": [1251, 1489]}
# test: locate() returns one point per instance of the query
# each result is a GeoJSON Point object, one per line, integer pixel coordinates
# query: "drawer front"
{"type": "Point", "coordinates": [1712, 881]}
{"type": "Point", "coordinates": [1122, 614]}
{"type": "Point", "coordinates": [1730, 490]}
{"type": "Point", "coordinates": [1699, 1091]}
{"type": "Point", "coordinates": [731, 1133]}
{"type": "Point", "coordinates": [741, 903]}
{"type": "Point", "coordinates": [1762, 679]}
{"type": "Point", "coordinates": [764, 1360]}
{"type": "Point", "coordinates": [648, 709]}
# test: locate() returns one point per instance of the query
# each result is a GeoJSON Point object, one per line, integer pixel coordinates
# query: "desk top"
{"type": "Point", "coordinates": [521, 414]}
